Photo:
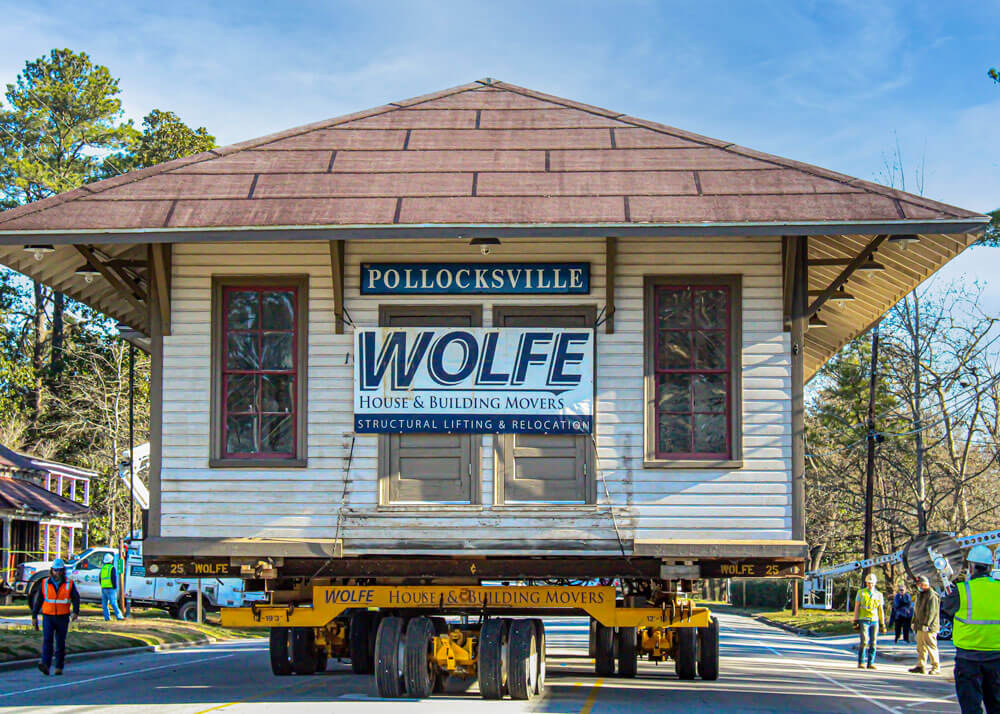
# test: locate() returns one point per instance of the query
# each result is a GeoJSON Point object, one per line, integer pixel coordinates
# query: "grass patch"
{"type": "Point", "coordinates": [91, 633]}
{"type": "Point", "coordinates": [822, 622]}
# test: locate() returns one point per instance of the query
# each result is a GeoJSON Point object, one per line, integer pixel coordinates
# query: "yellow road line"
{"type": "Point", "coordinates": [592, 697]}
{"type": "Point", "coordinates": [299, 688]}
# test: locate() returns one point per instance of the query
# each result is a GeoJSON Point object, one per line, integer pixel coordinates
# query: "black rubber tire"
{"type": "Point", "coordinates": [604, 651]}
{"type": "Point", "coordinates": [540, 674]}
{"type": "Point", "coordinates": [419, 669]}
{"type": "Point", "coordinates": [708, 651]}
{"type": "Point", "coordinates": [628, 652]}
{"type": "Point", "coordinates": [492, 673]}
{"type": "Point", "coordinates": [280, 651]}
{"type": "Point", "coordinates": [687, 652]}
{"type": "Point", "coordinates": [188, 611]}
{"type": "Point", "coordinates": [359, 632]}
{"type": "Point", "coordinates": [522, 659]}
{"type": "Point", "coordinates": [303, 650]}
{"type": "Point", "coordinates": [388, 664]}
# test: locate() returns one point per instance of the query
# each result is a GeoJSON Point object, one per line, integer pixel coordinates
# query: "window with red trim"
{"type": "Point", "coordinates": [692, 371]}
{"type": "Point", "coordinates": [259, 372]}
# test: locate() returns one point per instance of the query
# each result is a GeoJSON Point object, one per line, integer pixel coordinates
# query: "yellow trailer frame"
{"type": "Point", "coordinates": [599, 602]}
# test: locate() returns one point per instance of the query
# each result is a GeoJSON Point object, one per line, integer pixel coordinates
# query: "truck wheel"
{"type": "Point", "coordinates": [604, 651]}
{"type": "Point", "coordinates": [708, 650]}
{"type": "Point", "coordinates": [492, 660]}
{"type": "Point", "coordinates": [303, 650]}
{"type": "Point", "coordinates": [280, 651]}
{"type": "Point", "coordinates": [522, 659]}
{"type": "Point", "coordinates": [687, 652]}
{"type": "Point", "coordinates": [419, 668]}
{"type": "Point", "coordinates": [540, 674]}
{"type": "Point", "coordinates": [388, 660]}
{"type": "Point", "coordinates": [188, 611]}
{"type": "Point", "coordinates": [628, 652]}
{"type": "Point", "coordinates": [360, 636]}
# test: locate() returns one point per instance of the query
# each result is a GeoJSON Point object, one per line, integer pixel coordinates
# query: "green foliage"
{"type": "Point", "coordinates": [63, 368]}
{"type": "Point", "coordinates": [991, 237]}
{"type": "Point", "coordinates": [165, 138]}
{"type": "Point", "coordinates": [63, 113]}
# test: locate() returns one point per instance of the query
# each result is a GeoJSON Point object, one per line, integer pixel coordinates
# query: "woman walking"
{"type": "Point", "coordinates": [902, 613]}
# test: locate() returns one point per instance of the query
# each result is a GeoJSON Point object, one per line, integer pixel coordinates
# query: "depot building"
{"type": "Point", "coordinates": [484, 320]}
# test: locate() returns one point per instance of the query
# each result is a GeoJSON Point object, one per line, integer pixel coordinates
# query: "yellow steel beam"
{"type": "Point", "coordinates": [598, 602]}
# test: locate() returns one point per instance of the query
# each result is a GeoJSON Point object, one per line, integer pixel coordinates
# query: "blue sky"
{"type": "Point", "coordinates": [831, 83]}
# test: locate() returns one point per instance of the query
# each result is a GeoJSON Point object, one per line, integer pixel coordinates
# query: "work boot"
{"type": "Point", "coordinates": [935, 670]}
{"type": "Point", "coordinates": [57, 671]}
{"type": "Point", "coordinates": [917, 670]}
{"type": "Point", "coordinates": [43, 668]}
{"type": "Point", "coordinates": [860, 666]}
{"type": "Point", "coordinates": [872, 666]}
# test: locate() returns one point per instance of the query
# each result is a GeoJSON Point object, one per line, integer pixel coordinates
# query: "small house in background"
{"type": "Point", "coordinates": [44, 509]}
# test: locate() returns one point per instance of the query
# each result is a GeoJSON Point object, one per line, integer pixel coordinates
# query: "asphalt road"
{"type": "Point", "coordinates": [763, 670]}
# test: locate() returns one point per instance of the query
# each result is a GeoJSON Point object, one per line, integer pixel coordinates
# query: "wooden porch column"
{"type": "Point", "coordinates": [45, 549]}
{"type": "Point", "coordinates": [337, 272]}
{"type": "Point", "coordinates": [797, 257]}
{"type": "Point", "coordinates": [156, 332]}
{"type": "Point", "coordinates": [610, 269]}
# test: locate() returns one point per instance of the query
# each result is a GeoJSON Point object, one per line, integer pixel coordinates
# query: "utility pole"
{"type": "Point", "coordinates": [870, 467]}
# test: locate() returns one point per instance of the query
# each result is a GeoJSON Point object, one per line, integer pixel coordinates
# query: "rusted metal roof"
{"type": "Point", "coordinates": [19, 495]}
{"type": "Point", "coordinates": [483, 153]}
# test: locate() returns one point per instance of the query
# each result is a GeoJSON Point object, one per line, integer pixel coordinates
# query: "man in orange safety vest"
{"type": "Point", "coordinates": [58, 601]}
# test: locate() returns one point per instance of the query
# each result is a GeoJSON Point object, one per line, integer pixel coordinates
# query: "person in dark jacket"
{"type": "Point", "coordinates": [58, 602]}
{"type": "Point", "coordinates": [902, 613]}
{"type": "Point", "coordinates": [974, 606]}
{"type": "Point", "coordinates": [926, 623]}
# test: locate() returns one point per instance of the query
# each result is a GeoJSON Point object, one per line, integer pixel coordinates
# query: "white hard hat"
{"type": "Point", "coordinates": [871, 578]}
{"type": "Point", "coordinates": [981, 554]}
{"type": "Point", "coordinates": [108, 558]}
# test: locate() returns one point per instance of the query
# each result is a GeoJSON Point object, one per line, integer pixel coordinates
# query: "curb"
{"type": "Point", "coordinates": [105, 654]}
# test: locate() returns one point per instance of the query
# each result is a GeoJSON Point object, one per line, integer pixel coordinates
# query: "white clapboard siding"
{"type": "Point", "coordinates": [324, 501]}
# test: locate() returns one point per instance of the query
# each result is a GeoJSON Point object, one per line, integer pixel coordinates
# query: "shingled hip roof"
{"type": "Point", "coordinates": [486, 153]}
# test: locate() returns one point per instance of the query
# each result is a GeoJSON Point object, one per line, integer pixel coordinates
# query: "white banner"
{"type": "Point", "coordinates": [474, 380]}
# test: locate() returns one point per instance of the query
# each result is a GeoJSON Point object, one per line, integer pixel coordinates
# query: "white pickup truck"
{"type": "Point", "coordinates": [178, 596]}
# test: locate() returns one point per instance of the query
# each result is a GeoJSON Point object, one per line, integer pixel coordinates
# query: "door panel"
{"type": "Point", "coordinates": [549, 468]}
{"type": "Point", "coordinates": [429, 467]}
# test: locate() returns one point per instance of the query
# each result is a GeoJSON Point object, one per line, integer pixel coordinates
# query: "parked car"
{"type": "Point", "coordinates": [83, 569]}
{"type": "Point", "coordinates": [178, 596]}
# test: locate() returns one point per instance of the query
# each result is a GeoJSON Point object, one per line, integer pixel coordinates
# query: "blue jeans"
{"type": "Point", "coordinates": [110, 596]}
{"type": "Point", "coordinates": [869, 641]}
{"type": "Point", "coordinates": [54, 629]}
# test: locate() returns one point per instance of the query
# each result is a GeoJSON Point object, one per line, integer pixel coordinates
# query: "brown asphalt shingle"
{"type": "Point", "coordinates": [486, 152]}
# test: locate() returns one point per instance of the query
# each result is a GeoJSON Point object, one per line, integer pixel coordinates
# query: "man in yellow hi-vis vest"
{"type": "Point", "coordinates": [974, 606]}
{"type": "Point", "coordinates": [869, 616]}
{"type": "Point", "coordinates": [109, 588]}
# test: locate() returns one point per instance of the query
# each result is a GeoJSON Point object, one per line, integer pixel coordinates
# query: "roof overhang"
{"type": "Point", "coordinates": [499, 230]}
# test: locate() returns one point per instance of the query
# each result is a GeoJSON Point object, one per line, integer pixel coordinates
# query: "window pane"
{"type": "Point", "coordinates": [242, 310]}
{"type": "Point", "coordinates": [241, 435]}
{"type": "Point", "coordinates": [710, 433]}
{"type": "Point", "coordinates": [674, 393]}
{"type": "Point", "coordinates": [710, 393]}
{"type": "Point", "coordinates": [277, 392]}
{"type": "Point", "coordinates": [710, 308]}
{"type": "Point", "coordinates": [710, 350]}
{"type": "Point", "coordinates": [277, 350]}
{"type": "Point", "coordinates": [241, 351]}
{"type": "Point", "coordinates": [278, 311]}
{"type": "Point", "coordinates": [674, 308]}
{"type": "Point", "coordinates": [276, 434]}
{"type": "Point", "coordinates": [241, 393]}
{"type": "Point", "coordinates": [673, 434]}
{"type": "Point", "coordinates": [674, 350]}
